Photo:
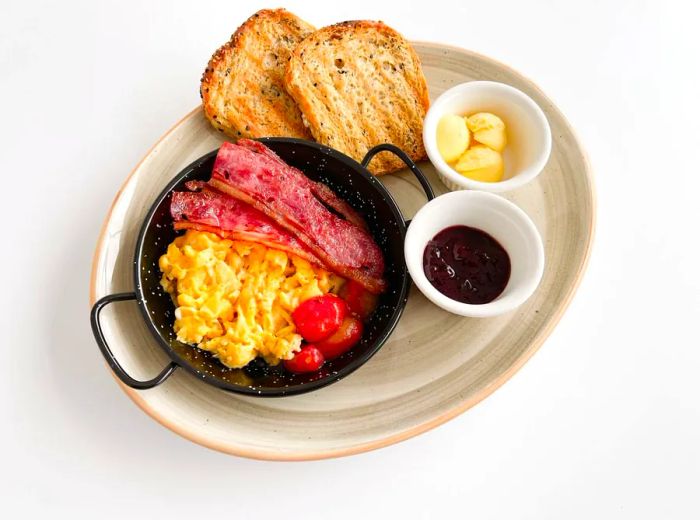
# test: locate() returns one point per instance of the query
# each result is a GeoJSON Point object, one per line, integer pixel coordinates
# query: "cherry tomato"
{"type": "Point", "coordinates": [308, 359]}
{"type": "Point", "coordinates": [347, 335]}
{"type": "Point", "coordinates": [359, 300]}
{"type": "Point", "coordinates": [319, 317]}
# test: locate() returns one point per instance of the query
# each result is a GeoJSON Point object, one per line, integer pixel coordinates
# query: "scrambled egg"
{"type": "Point", "coordinates": [235, 298]}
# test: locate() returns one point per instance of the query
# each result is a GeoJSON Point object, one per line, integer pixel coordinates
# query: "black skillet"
{"type": "Point", "coordinates": [351, 181]}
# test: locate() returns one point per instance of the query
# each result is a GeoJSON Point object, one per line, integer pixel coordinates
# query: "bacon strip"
{"type": "Point", "coordinates": [209, 210]}
{"type": "Point", "coordinates": [323, 192]}
{"type": "Point", "coordinates": [252, 173]}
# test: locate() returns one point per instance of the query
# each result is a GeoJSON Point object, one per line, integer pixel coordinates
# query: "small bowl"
{"type": "Point", "coordinates": [527, 129]}
{"type": "Point", "coordinates": [498, 217]}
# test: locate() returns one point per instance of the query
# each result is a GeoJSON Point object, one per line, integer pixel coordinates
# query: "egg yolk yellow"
{"type": "Point", "coordinates": [235, 298]}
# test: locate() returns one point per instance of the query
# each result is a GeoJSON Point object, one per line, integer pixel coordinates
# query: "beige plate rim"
{"type": "Point", "coordinates": [403, 435]}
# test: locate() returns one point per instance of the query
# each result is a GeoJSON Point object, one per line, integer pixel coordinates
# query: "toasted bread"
{"type": "Point", "coordinates": [242, 87]}
{"type": "Point", "coordinates": [359, 84]}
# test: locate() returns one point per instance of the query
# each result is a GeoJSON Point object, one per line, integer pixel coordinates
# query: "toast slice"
{"type": "Point", "coordinates": [242, 88]}
{"type": "Point", "coordinates": [359, 84]}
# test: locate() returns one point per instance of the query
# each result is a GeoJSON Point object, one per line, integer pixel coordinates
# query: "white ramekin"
{"type": "Point", "coordinates": [527, 130]}
{"type": "Point", "coordinates": [498, 217]}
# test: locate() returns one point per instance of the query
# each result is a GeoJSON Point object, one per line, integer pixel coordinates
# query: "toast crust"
{"type": "Point", "coordinates": [359, 84]}
{"type": "Point", "coordinates": [242, 87]}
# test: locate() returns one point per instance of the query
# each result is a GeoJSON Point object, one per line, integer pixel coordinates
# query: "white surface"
{"type": "Point", "coordinates": [498, 217]}
{"type": "Point", "coordinates": [603, 422]}
{"type": "Point", "coordinates": [527, 128]}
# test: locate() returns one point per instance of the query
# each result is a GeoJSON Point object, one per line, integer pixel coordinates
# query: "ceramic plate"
{"type": "Point", "coordinates": [435, 365]}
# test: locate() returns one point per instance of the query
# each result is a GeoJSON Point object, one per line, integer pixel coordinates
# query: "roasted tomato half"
{"type": "Point", "coordinates": [342, 340]}
{"type": "Point", "coordinates": [319, 317]}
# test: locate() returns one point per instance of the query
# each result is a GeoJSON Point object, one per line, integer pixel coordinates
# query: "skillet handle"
{"type": "Point", "coordinates": [386, 147]}
{"type": "Point", "coordinates": [107, 352]}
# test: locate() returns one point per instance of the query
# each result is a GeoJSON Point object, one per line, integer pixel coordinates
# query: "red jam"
{"type": "Point", "coordinates": [467, 265]}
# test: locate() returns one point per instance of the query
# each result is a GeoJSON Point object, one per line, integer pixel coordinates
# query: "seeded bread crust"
{"type": "Point", "coordinates": [242, 88]}
{"type": "Point", "coordinates": [359, 84]}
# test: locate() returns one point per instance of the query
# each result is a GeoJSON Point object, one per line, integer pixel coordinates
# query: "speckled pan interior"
{"type": "Point", "coordinates": [434, 366]}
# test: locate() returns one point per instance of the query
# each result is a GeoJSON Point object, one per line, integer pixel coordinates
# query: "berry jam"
{"type": "Point", "coordinates": [467, 265]}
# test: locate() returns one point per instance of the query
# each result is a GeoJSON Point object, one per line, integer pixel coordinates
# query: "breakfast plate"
{"type": "Point", "coordinates": [434, 366]}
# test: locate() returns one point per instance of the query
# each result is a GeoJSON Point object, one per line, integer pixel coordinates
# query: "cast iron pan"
{"type": "Point", "coordinates": [351, 181]}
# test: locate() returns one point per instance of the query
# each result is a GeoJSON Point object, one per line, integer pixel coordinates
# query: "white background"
{"type": "Point", "coordinates": [603, 422]}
